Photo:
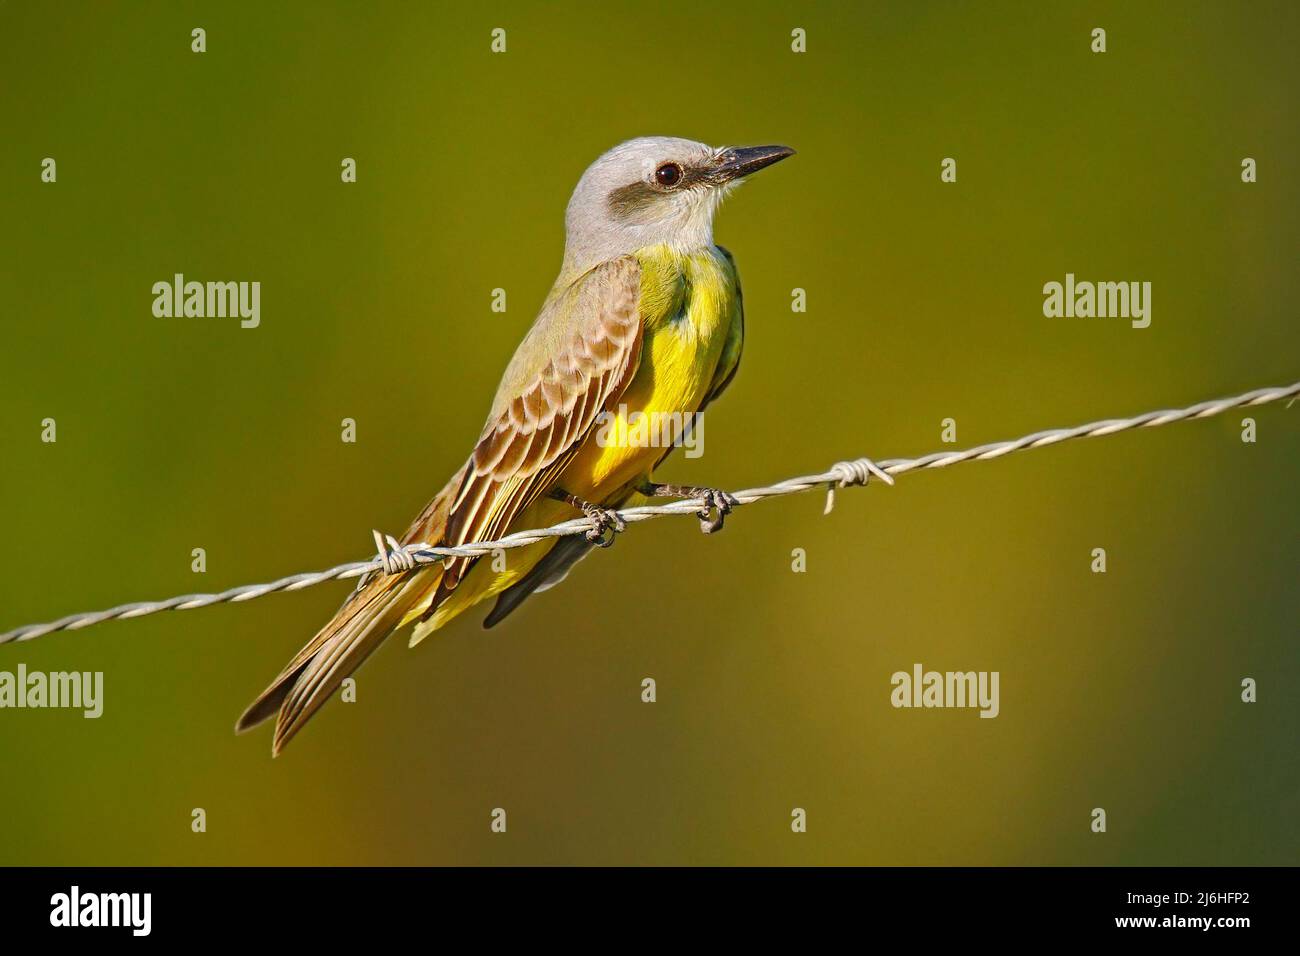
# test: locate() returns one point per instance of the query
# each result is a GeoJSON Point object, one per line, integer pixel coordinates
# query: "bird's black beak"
{"type": "Point", "coordinates": [737, 161]}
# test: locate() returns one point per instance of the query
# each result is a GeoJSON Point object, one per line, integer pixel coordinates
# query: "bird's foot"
{"type": "Point", "coordinates": [716, 504]}
{"type": "Point", "coordinates": [605, 522]}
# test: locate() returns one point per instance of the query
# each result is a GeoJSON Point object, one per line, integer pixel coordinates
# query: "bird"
{"type": "Point", "coordinates": [645, 318]}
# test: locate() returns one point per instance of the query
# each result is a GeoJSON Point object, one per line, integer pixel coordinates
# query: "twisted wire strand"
{"type": "Point", "coordinates": [395, 559]}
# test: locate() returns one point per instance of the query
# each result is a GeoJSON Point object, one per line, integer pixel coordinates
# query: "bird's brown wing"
{"type": "Point", "coordinates": [574, 364]}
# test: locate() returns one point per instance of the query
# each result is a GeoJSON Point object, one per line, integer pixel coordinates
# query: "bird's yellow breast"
{"type": "Point", "coordinates": [690, 309]}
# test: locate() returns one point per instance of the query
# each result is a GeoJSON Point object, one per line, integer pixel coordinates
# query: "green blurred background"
{"type": "Point", "coordinates": [924, 302]}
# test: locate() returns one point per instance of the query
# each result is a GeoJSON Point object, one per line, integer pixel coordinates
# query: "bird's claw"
{"type": "Point", "coordinates": [717, 505]}
{"type": "Point", "coordinates": [605, 524]}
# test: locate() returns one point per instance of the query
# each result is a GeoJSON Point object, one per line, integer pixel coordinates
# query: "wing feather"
{"type": "Point", "coordinates": [548, 403]}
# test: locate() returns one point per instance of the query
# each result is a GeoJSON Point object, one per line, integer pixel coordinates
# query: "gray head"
{"type": "Point", "coordinates": [656, 189]}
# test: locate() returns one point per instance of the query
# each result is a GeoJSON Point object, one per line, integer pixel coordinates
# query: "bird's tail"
{"type": "Point", "coordinates": [361, 624]}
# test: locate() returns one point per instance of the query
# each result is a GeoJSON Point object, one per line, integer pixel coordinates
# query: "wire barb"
{"type": "Point", "coordinates": [855, 472]}
{"type": "Point", "coordinates": [393, 559]}
{"type": "Point", "coordinates": [400, 559]}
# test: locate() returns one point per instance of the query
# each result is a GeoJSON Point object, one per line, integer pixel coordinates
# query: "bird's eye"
{"type": "Point", "coordinates": [668, 175]}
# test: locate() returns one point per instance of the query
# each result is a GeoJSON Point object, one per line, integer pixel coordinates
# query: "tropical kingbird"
{"type": "Point", "coordinates": [644, 320]}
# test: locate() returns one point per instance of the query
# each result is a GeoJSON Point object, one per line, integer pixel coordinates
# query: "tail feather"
{"type": "Point", "coordinates": [337, 650]}
{"type": "Point", "coordinates": [374, 610]}
{"type": "Point", "coordinates": [266, 705]}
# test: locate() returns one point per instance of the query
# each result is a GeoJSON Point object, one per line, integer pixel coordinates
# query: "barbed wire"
{"type": "Point", "coordinates": [401, 560]}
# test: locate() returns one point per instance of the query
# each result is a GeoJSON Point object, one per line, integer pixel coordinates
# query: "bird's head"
{"type": "Point", "coordinates": [656, 189]}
